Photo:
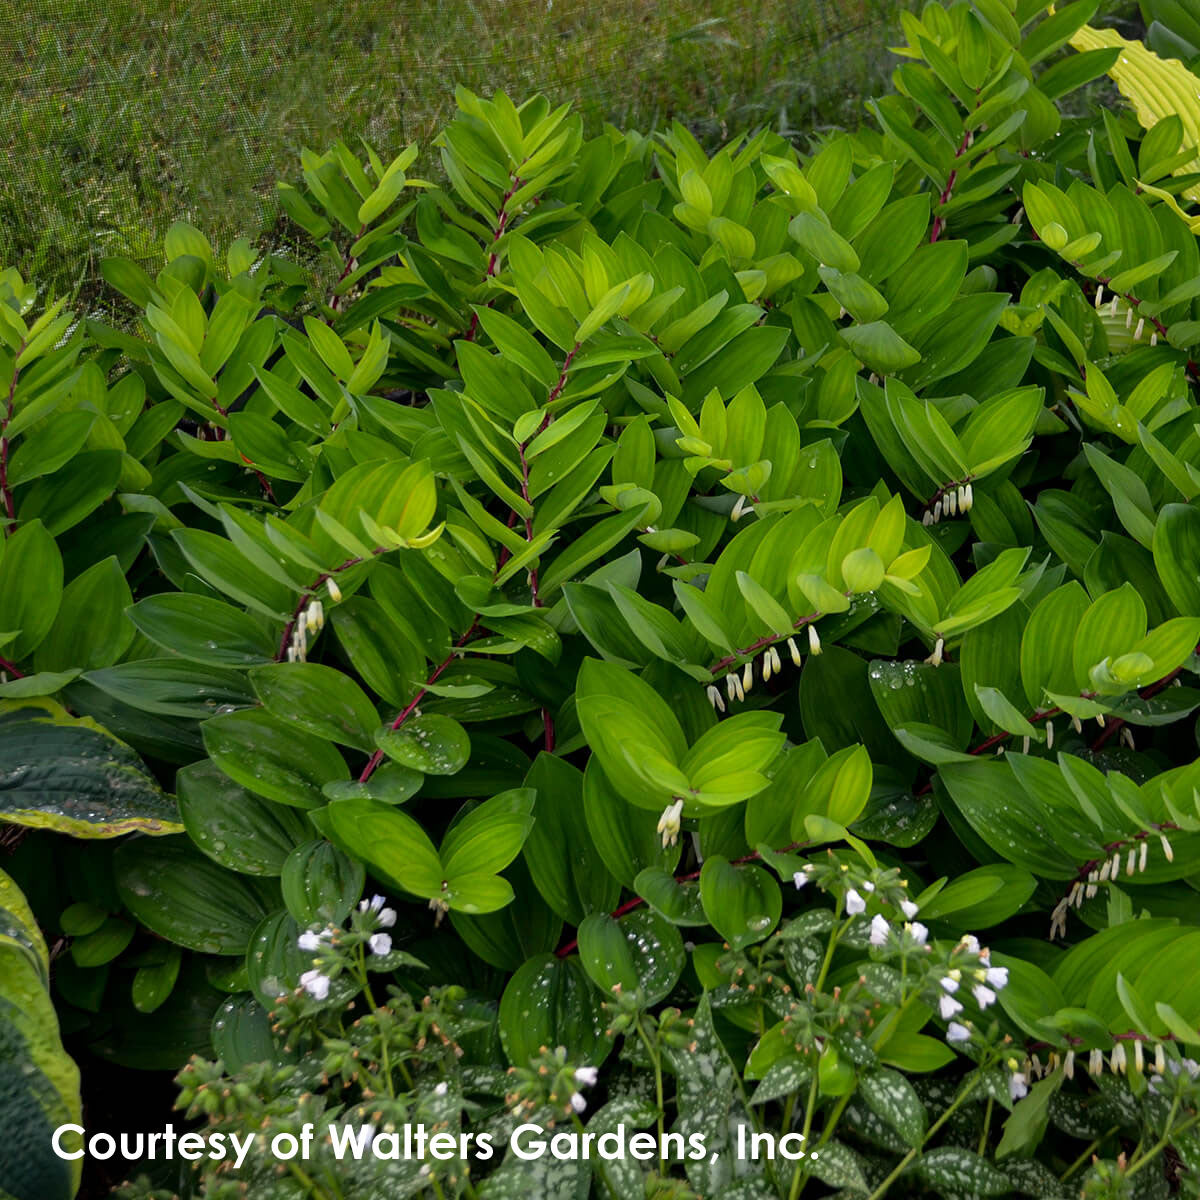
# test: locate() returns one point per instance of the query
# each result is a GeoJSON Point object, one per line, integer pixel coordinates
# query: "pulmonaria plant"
{"type": "Point", "coordinates": [738, 603]}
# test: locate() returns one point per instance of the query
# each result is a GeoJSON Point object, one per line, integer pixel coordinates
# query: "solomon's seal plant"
{"type": "Point", "coordinates": [739, 605]}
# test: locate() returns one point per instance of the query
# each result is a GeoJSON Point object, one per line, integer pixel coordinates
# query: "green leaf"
{"type": "Point", "coordinates": [951, 1169]}
{"type": "Point", "coordinates": [203, 630]}
{"type": "Point", "coordinates": [31, 582]}
{"type": "Point", "coordinates": [320, 883]}
{"type": "Point", "coordinates": [392, 843]}
{"type": "Point", "coordinates": [42, 1092]}
{"type": "Point", "coordinates": [318, 700]}
{"type": "Point", "coordinates": [174, 687]}
{"type": "Point", "coordinates": [641, 954]}
{"type": "Point", "coordinates": [742, 903]}
{"type": "Point", "coordinates": [432, 744]}
{"type": "Point", "coordinates": [563, 860]}
{"type": "Point", "coordinates": [826, 245]}
{"type": "Point", "coordinates": [1176, 545]}
{"type": "Point", "coordinates": [891, 1096]}
{"type": "Point", "coordinates": [71, 775]}
{"type": "Point", "coordinates": [233, 826]}
{"type": "Point", "coordinates": [489, 837]}
{"type": "Point", "coordinates": [90, 629]}
{"type": "Point", "coordinates": [879, 347]}
{"type": "Point", "coordinates": [188, 899]}
{"type": "Point", "coordinates": [625, 836]}
{"type": "Point", "coordinates": [271, 758]}
{"type": "Point", "coordinates": [551, 1002]}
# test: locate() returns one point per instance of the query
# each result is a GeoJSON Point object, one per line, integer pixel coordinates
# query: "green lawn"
{"type": "Point", "coordinates": [117, 117]}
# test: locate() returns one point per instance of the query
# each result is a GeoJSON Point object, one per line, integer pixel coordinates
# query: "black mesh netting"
{"type": "Point", "coordinates": [116, 117]}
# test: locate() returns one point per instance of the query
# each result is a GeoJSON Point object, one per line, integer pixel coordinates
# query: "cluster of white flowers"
{"type": "Point", "coordinates": [955, 499]}
{"type": "Point", "coordinates": [311, 620]}
{"type": "Point", "coordinates": [739, 684]}
{"type": "Point", "coordinates": [1134, 861]}
{"type": "Point", "coordinates": [315, 981]}
{"type": "Point", "coordinates": [988, 980]}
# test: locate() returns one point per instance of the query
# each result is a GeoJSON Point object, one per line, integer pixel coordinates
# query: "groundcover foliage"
{"type": "Point", "coordinates": [702, 644]}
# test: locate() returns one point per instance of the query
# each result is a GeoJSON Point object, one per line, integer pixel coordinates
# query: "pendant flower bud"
{"type": "Point", "coordinates": [855, 904]}
{"type": "Point", "coordinates": [909, 908]}
{"type": "Point", "coordinates": [957, 1032]}
{"type": "Point", "coordinates": [1096, 1063]}
{"type": "Point", "coordinates": [668, 823]}
{"type": "Point", "coordinates": [714, 698]}
{"type": "Point", "coordinates": [814, 640]}
{"type": "Point", "coordinates": [794, 651]}
{"type": "Point", "coordinates": [950, 983]}
{"type": "Point", "coordinates": [880, 930]}
{"type": "Point", "coordinates": [1116, 1060]}
{"type": "Point", "coordinates": [335, 592]}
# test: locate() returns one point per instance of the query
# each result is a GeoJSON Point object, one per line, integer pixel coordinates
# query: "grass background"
{"type": "Point", "coordinates": [120, 116]}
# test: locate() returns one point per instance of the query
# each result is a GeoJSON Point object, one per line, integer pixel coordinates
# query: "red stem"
{"type": "Point", "coordinates": [493, 263]}
{"type": "Point", "coordinates": [333, 297]}
{"type": "Point", "coordinates": [5, 665]}
{"type": "Point", "coordinates": [939, 223]}
{"type": "Point", "coordinates": [766, 640]}
{"type": "Point", "coordinates": [555, 392]}
{"type": "Point", "coordinates": [410, 707]}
